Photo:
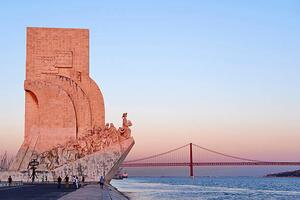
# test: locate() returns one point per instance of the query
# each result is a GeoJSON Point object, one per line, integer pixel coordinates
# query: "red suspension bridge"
{"type": "Point", "coordinates": [192, 155]}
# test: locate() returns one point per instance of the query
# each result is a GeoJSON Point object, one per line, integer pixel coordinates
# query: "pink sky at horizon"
{"type": "Point", "coordinates": [266, 142]}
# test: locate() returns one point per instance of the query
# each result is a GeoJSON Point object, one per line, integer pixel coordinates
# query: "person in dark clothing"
{"type": "Point", "coordinates": [74, 181]}
{"type": "Point", "coordinates": [102, 180]}
{"type": "Point", "coordinates": [67, 181]}
{"type": "Point", "coordinates": [59, 182]}
{"type": "Point", "coordinates": [83, 179]}
{"type": "Point", "coordinates": [9, 181]}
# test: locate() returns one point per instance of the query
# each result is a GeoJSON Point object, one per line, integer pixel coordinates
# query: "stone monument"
{"type": "Point", "coordinates": [64, 111]}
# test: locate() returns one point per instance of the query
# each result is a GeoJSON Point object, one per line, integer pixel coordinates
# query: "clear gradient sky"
{"type": "Point", "coordinates": [222, 74]}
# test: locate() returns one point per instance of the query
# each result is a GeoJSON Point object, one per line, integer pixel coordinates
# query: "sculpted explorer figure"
{"type": "Point", "coordinates": [125, 130]}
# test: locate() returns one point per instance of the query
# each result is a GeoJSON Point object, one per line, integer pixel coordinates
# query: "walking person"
{"type": "Point", "coordinates": [102, 180]}
{"type": "Point", "coordinates": [76, 182]}
{"type": "Point", "coordinates": [9, 181]}
{"type": "Point", "coordinates": [58, 182]}
{"type": "Point", "coordinates": [67, 181]}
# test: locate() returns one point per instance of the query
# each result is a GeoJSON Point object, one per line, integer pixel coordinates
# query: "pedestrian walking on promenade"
{"type": "Point", "coordinates": [58, 182]}
{"type": "Point", "coordinates": [9, 181]}
{"type": "Point", "coordinates": [102, 180]}
{"type": "Point", "coordinates": [76, 182]}
{"type": "Point", "coordinates": [67, 181]}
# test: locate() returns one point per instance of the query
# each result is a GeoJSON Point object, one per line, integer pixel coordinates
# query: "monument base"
{"type": "Point", "coordinates": [101, 163]}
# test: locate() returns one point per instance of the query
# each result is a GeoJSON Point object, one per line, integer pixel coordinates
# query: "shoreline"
{"type": "Point", "coordinates": [115, 190]}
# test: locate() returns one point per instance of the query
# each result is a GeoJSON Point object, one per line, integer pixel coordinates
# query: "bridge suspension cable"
{"type": "Point", "coordinates": [227, 155]}
{"type": "Point", "coordinates": [157, 155]}
{"type": "Point", "coordinates": [198, 146]}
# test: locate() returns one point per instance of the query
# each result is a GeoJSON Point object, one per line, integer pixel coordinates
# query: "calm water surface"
{"type": "Point", "coordinates": [209, 188]}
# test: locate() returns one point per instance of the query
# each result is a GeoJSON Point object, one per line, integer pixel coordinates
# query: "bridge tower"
{"type": "Point", "coordinates": [191, 161]}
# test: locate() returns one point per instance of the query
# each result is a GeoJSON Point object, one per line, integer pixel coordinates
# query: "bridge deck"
{"type": "Point", "coordinates": [211, 164]}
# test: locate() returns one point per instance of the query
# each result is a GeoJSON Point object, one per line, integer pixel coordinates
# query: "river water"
{"type": "Point", "coordinates": [221, 188]}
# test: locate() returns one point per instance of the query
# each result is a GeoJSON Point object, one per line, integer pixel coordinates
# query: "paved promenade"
{"type": "Point", "coordinates": [33, 192]}
{"type": "Point", "coordinates": [93, 192]}
{"type": "Point", "coordinates": [51, 192]}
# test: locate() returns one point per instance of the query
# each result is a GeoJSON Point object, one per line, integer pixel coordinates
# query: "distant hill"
{"type": "Point", "coordinates": [286, 174]}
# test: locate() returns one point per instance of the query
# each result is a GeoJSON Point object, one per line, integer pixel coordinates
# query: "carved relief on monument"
{"type": "Point", "coordinates": [78, 76]}
{"type": "Point", "coordinates": [49, 63]}
{"type": "Point", "coordinates": [64, 59]}
{"type": "Point", "coordinates": [95, 141]}
{"type": "Point", "coordinates": [46, 64]}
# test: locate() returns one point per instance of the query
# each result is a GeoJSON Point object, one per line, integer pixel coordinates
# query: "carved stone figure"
{"type": "Point", "coordinates": [125, 131]}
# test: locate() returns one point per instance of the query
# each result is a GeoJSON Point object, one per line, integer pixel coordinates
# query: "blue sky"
{"type": "Point", "coordinates": [223, 74]}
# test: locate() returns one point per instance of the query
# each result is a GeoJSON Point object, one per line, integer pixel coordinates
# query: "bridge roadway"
{"type": "Point", "coordinates": [187, 164]}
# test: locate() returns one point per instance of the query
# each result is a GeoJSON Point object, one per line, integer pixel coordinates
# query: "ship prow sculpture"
{"type": "Point", "coordinates": [65, 129]}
